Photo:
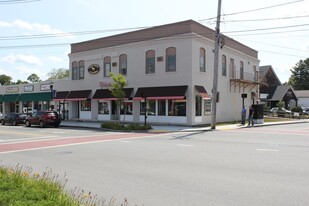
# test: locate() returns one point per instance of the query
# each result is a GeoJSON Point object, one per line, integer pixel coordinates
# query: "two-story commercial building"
{"type": "Point", "coordinates": [170, 66]}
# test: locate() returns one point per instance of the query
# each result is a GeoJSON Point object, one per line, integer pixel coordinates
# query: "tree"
{"type": "Point", "coordinates": [60, 73]}
{"type": "Point", "coordinates": [5, 80]}
{"type": "Point", "coordinates": [117, 90]}
{"type": "Point", "coordinates": [21, 82]}
{"type": "Point", "coordinates": [34, 78]}
{"type": "Point", "coordinates": [299, 79]}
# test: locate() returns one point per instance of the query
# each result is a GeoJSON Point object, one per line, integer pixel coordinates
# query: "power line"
{"type": "Point", "coordinates": [274, 32]}
{"type": "Point", "coordinates": [267, 19]}
{"type": "Point", "coordinates": [34, 46]}
{"type": "Point", "coordinates": [246, 11]}
{"type": "Point", "coordinates": [258, 9]}
{"type": "Point", "coordinates": [17, 1]}
{"type": "Point", "coordinates": [272, 28]}
{"type": "Point", "coordinates": [65, 34]}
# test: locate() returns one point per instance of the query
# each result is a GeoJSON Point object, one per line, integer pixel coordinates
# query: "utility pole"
{"type": "Point", "coordinates": [216, 68]}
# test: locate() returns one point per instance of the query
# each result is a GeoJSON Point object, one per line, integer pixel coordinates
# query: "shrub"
{"type": "Point", "coordinates": [129, 127]}
{"type": "Point", "coordinates": [297, 109]}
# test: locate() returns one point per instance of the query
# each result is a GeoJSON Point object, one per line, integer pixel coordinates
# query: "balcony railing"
{"type": "Point", "coordinates": [243, 76]}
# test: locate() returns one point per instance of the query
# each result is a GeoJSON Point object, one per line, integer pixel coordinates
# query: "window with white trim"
{"type": "Point", "coordinates": [171, 59]}
{"type": "Point", "coordinates": [202, 60]}
{"type": "Point", "coordinates": [150, 62]}
{"type": "Point", "coordinates": [223, 65]}
{"type": "Point", "coordinates": [107, 66]}
{"type": "Point", "coordinates": [123, 64]}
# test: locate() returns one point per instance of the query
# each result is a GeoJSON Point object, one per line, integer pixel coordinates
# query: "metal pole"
{"type": "Point", "coordinates": [216, 67]}
{"type": "Point", "coordinates": [145, 110]}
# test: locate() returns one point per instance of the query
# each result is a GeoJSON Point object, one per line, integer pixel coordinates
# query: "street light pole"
{"type": "Point", "coordinates": [51, 86]}
{"type": "Point", "coordinates": [145, 108]}
{"type": "Point", "coordinates": [51, 92]}
{"type": "Point", "coordinates": [216, 67]}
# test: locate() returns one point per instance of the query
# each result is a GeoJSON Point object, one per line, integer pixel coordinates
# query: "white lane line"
{"type": "Point", "coordinates": [268, 150]}
{"type": "Point", "coordinates": [185, 145]}
{"type": "Point", "coordinates": [123, 141]}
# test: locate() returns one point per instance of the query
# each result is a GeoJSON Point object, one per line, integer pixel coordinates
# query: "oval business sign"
{"type": "Point", "coordinates": [93, 69]}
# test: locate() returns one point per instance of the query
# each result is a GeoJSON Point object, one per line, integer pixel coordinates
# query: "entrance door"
{"type": "Point", "coordinates": [114, 110]}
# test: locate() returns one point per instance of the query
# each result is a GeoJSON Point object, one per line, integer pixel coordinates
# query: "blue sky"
{"type": "Point", "coordinates": [23, 24]}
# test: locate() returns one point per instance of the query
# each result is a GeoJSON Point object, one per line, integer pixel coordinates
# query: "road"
{"type": "Point", "coordinates": [249, 166]}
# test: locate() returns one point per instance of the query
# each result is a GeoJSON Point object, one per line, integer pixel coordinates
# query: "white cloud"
{"type": "Point", "coordinates": [55, 58]}
{"type": "Point", "coordinates": [21, 58]}
{"type": "Point", "coordinates": [34, 27]}
{"type": "Point", "coordinates": [24, 72]}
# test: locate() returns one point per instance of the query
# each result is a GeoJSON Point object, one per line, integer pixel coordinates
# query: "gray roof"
{"type": "Point", "coordinates": [263, 71]}
{"type": "Point", "coordinates": [169, 30]}
{"type": "Point", "coordinates": [278, 92]}
{"type": "Point", "coordinates": [302, 93]}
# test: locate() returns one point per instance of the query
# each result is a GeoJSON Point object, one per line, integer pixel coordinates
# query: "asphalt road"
{"type": "Point", "coordinates": [249, 166]}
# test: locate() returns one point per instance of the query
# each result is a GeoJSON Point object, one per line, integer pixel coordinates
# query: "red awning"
{"type": "Point", "coordinates": [78, 95]}
{"type": "Point", "coordinates": [106, 94]}
{"type": "Point", "coordinates": [153, 93]}
{"type": "Point", "coordinates": [61, 95]}
{"type": "Point", "coordinates": [202, 91]}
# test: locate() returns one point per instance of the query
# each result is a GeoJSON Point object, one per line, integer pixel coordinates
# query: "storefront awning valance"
{"type": "Point", "coordinates": [202, 91]}
{"type": "Point", "coordinates": [28, 97]}
{"type": "Point", "coordinates": [61, 95]}
{"type": "Point", "coordinates": [78, 95]}
{"type": "Point", "coordinates": [171, 92]}
{"type": "Point", "coordinates": [10, 98]}
{"type": "Point", "coordinates": [106, 94]}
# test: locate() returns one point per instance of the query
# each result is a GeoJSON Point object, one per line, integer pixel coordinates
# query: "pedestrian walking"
{"type": "Point", "coordinates": [243, 115]}
{"type": "Point", "coordinates": [250, 117]}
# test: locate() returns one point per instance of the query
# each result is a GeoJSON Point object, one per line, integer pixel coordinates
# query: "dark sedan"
{"type": "Point", "coordinates": [14, 119]}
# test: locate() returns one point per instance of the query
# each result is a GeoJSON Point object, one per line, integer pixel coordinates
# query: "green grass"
{"type": "Point", "coordinates": [20, 186]}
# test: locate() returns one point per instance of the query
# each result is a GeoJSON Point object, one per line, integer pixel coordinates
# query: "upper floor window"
{"type": "Point", "coordinates": [78, 70]}
{"type": "Point", "coordinates": [255, 73]}
{"type": "Point", "coordinates": [74, 70]}
{"type": "Point", "coordinates": [123, 64]}
{"type": "Point", "coordinates": [202, 60]}
{"type": "Point", "coordinates": [232, 68]}
{"type": "Point", "coordinates": [150, 62]}
{"type": "Point", "coordinates": [223, 65]}
{"type": "Point", "coordinates": [81, 69]}
{"type": "Point", "coordinates": [241, 69]}
{"type": "Point", "coordinates": [107, 66]}
{"type": "Point", "coordinates": [171, 59]}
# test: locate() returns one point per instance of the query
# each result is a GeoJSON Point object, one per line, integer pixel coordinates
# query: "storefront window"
{"type": "Point", "coordinates": [27, 108]}
{"type": "Point", "coordinates": [86, 105]}
{"type": "Point", "coordinates": [177, 107]}
{"type": "Point", "coordinates": [198, 105]}
{"type": "Point", "coordinates": [161, 107]}
{"type": "Point", "coordinates": [207, 106]}
{"type": "Point", "coordinates": [151, 107]}
{"type": "Point", "coordinates": [127, 107]}
{"type": "Point", "coordinates": [103, 108]}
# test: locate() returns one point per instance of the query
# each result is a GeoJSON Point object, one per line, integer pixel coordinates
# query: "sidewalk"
{"type": "Point", "coordinates": [171, 128]}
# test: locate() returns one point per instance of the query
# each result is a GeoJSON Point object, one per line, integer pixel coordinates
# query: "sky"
{"type": "Point", "coordinates": [35, 35]}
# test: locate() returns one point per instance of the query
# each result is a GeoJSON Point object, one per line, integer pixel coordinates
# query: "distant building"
{"type": "Point", "coordinates": [170, 66]}
{"type": "Point", "coordinates": [272, 91]}
{"type": "Point", "coordinates": [303, 98]}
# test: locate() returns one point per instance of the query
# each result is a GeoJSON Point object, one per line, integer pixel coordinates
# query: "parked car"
{"type": "Point", "coordinates": [43, 118]}
{"type": "Point", "coordinates": [281, 112]}
{"type": "Point", "coordinates": [305, 111]}
{"type": "Point", "coordinates": [14, 119]}
{"type": "Point", "coordinates": [1, 117]}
